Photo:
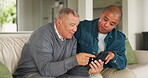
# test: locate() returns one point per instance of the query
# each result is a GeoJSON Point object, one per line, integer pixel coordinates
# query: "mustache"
{"type": "Point", "coordinates": [104, 27]}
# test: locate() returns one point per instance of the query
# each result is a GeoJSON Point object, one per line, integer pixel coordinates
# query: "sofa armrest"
{"type": "Point", "coordinates": [142, 56]}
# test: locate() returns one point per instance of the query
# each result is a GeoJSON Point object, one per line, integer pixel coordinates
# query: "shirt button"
{"type": "Point", "coordinates": [115, 61]}
{"type": "Point", "coordinates": [94, 52]}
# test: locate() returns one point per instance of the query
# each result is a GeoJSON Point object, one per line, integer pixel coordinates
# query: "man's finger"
{"type": "Point", "coordinates": [107, 61]}
{"type": "Point", "coordinates": [107, 57]}
{"type": "Point", "coordinates": [101, 62]}
{"type": "Point", "coordinates": [89, 55]}
{"type": "Point", "coordinates": [91, 66]}
{"type": "Point", "coordinates": [94, 64]}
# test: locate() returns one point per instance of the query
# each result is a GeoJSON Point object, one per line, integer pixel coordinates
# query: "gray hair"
{"type": "Point", "coordinates": [66, 11]}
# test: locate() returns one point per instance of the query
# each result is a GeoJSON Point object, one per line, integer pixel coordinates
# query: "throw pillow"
{"type": "Point", "coordinates": [130, 54]}
{"type": "Point", "coordinates": [4, 72]}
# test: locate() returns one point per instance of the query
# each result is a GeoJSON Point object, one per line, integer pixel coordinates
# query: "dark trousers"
{"type": "Point", "coordinates": [37, 75]}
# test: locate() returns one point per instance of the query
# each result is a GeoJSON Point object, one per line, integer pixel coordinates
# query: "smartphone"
{"type": "Point", "coordinates": [102, 55]}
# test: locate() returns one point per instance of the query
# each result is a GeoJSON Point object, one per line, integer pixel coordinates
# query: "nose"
{"type": "Point", "coordinates": [75, 29]}
{"type": "Point", "coordinates": [106, 24]}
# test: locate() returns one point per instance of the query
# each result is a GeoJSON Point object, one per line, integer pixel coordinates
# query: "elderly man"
{"type": "Point", "coordinates": [51, 49]}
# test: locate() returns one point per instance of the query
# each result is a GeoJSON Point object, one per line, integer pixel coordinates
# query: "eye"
{"type": "Point", "coordinates": [112, 24]}
{"type": "Point", "coordinates": [72, 25]}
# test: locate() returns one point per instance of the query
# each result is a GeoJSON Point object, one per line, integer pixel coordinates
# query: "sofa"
{"type": "Point", "coordinates": [11, 45]}
{"type": "Point", "coordinates": [141, 68]}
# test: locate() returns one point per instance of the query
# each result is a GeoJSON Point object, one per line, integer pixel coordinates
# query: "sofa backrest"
{"type": "Point", "coordinates": [10, 48]}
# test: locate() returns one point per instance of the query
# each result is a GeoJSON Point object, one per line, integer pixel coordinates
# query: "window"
{"type": "Point", "coordinates": [8, 16]}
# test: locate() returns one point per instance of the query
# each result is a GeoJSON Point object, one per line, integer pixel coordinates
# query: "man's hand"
{"type": "Point", "coordinates": [96, 67]}
{"type": "Point", "coordinates": [83, 58]}
{"type": "Point", "coordinates": [109, 57]}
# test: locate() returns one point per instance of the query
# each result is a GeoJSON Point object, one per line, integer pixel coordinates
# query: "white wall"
{"type": "Point", "coordinates": [85, 9]}
{"type": "Point", "coordinates": [46, 15]}
{"type": "Point", "coordinates": [104, 3]}
{"type": "Point", "coordinates": [36, 13]}
{"type": "Point", "coordinates": [132, 21]}
{"type": "Point", "coordinates": [145, 15]}
{"type": "Point", "coordinates": [25, 15]}
{"type": "Point", "coordinates": [73, 4]}
{"type": "Point", "coordinates": [125, 17]}
{"type": "Point", "coordinates": [96, 12]}
{"type": "Point", "coordinates": [33, 14]}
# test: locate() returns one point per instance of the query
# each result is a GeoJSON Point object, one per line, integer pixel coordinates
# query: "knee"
{"type": "Point", "coordinates": [113, 73]}
{"type": "Point", "coordinates": [96, 76]}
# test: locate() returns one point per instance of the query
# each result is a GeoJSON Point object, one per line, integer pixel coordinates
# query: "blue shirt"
{"type": "Point", "coordinates": [87, 41]}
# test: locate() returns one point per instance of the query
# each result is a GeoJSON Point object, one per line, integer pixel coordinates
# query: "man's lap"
{"type": "Point", "coordinates": [106, 73]}
{"type": "Point", "coordinates": [37, 75]}
{"type": "Point", "coordinates": [113, 73]}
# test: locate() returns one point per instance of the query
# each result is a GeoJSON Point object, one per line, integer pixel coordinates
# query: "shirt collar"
{"type": "Point", "coordinates": [58, 33]}
{"type": "Point", "coordinates": [110, 34]}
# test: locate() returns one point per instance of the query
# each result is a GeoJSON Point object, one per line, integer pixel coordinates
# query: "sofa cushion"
{"type": "Point", "coordinates": [4, 72]}
{"type": "Point", "coordinates": [140, 70]}
{"type": "Point", "coordinates": [10, 49]}
{"type": "Point", "coordinates": [130, 54]}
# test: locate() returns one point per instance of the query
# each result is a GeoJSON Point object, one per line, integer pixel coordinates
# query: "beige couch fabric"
{"type": "Point", "coordinates": [141, 68]}
{"type": "Point", "coordinates": [10, 49]}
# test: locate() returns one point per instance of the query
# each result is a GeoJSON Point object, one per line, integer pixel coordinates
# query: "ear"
{"type": "Point", "coordinates": [58, 21]}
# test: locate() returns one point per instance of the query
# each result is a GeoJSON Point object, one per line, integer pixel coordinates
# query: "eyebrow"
{"type": "Point", "coordinates": [72, 24]}
{"type": "Point", "coordinates": [106, 18]}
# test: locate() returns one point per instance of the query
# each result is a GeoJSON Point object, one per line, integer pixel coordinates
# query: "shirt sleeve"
{"type": "Point", "coordinates": [41, 49]}
{"type": "Point", "coordinates": [119, 61]}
